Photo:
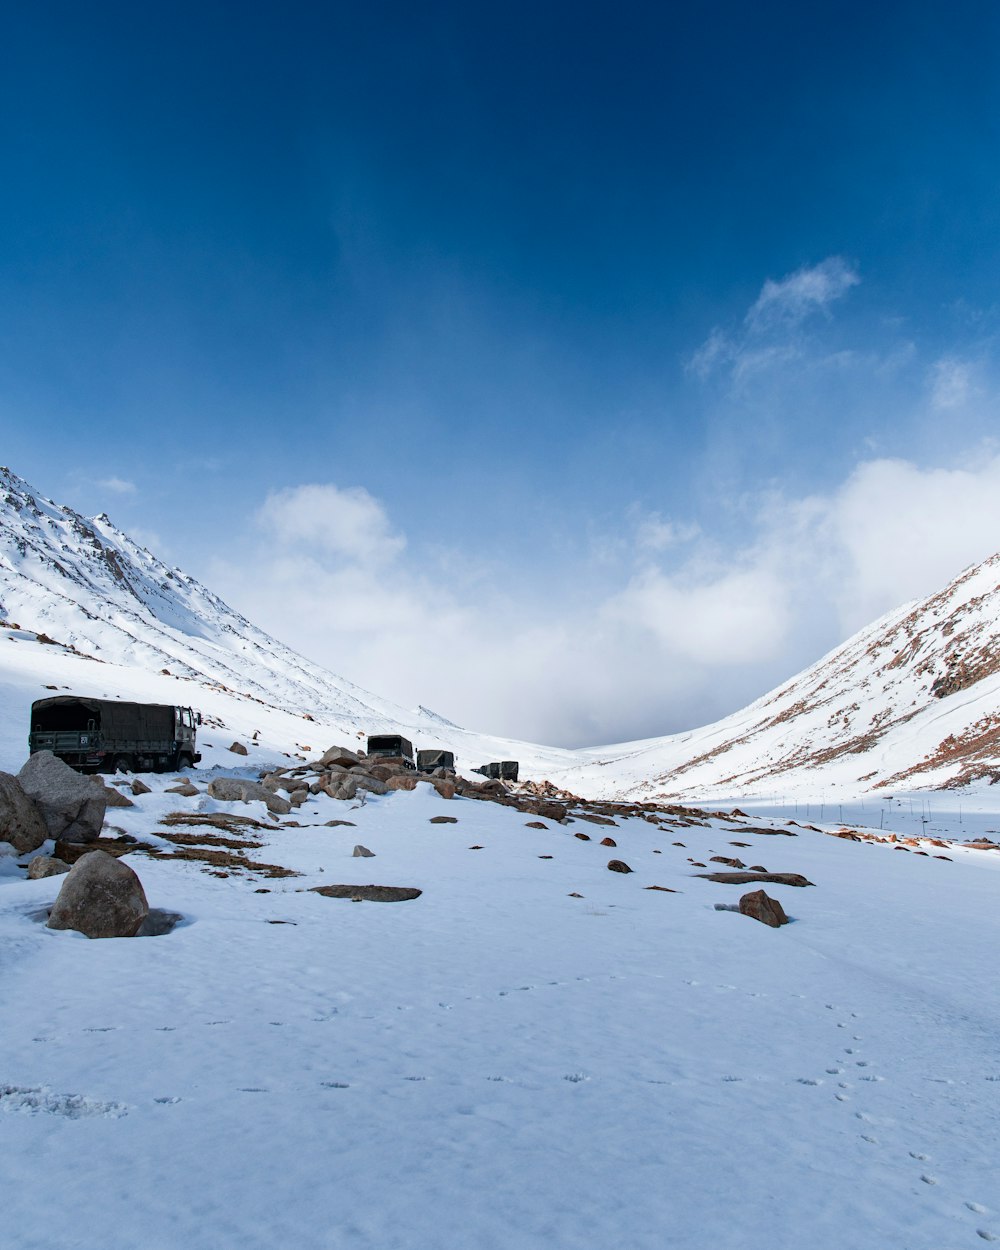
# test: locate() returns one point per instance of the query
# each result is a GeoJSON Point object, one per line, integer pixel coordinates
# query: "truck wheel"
{"type": "Point", "coordinates": [183, 761]}
{"type": "Point", "coordinates": [121, 764]}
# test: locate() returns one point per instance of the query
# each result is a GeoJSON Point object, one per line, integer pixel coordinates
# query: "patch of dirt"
{"type": "Point", "coordinates": [368, 893]}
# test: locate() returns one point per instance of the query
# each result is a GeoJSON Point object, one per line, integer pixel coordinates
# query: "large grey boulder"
{"type": "Point", "coordinates": [69, 803]}
{"type": "Point", "coordinates": [101, 898]}
{"type": "Point", "coordinates": [20, 822]}
{"type": "Point", "coordinates": [238, 790]}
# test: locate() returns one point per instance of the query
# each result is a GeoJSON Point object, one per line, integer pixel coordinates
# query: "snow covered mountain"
{"type": "Point", "coordinates": [912, 701]}
{"type": "Point", "coordinates": [86, 586]}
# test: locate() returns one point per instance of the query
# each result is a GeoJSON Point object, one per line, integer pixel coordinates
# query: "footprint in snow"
{"type": "Point", "coordinates": [915, 1154]}
{"type": "Point", "coordinates": [986, 1234]}
{"type": "Point", "coordinates": [866, 1137]}
{"type": "Point", "coordinates": [576, 1077]}
{"type": "Point", "coordinates": [928, 1180]}
{"type": "Point", "coordinates": [335, 1085]}
{"type": "Point", "coordinates": [807, 1080]}
{"type": "Point", "coordinates": [166, 1102]}
{"type": "Point", "coordinates": [977, 1207]}
{"type": "Point", "coordinates": [110, 1029]}
{"type": "Point", "coordinates": [414, 1078]}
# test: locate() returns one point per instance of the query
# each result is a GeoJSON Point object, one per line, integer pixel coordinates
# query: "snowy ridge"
{"type": "Point", "coordinates": [87, 586]}
{"type": "Point", "coordinates": [911, 700]}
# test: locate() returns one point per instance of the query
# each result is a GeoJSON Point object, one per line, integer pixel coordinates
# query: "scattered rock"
{"type": "Point", "coordinates": [584, 837]}
{"type": "Point", "coordinates": [368, 893]}
{"type": "Point", "coordinates": [608, 842]}
{"type": "Point", "coordinates": [371, 784]}
{"type": "Point", "coordinates": [444, 820]}
{"type": "Point", "coordinates": [69, 804]}
{"type": "Point", "coordinates": [444, 787]}
{"type": "Point", "coordinates": [403, 781]}
{"type": "Point", "coordinates": [744, 878]}
{"type": "Point", "coordinates": [721, 859]}
{"type": "Point", "coordinates": [113, 797]}
{"type": "Point", "coordinates": [185, 788]}
{"type": "Point", "coordinates": [535, 824]}
{"type": "Point", "coordinates": [362, 852]}
{"type": "Point", "coordinates": [238, 790]}
{"type": "Point", "coordinates": [574, 895]}
{"type": "Point", "coordinates": [664, 889]}
{"type": "Point", "coordinates": [239, 749]}
{"type": "Point", "coordinates": [46, 866]}
{"type": "Point", "coordinates": [476, 848]}
{"type": "Point", "coordinates": [101, 898]}
{"type": "Point", "coordinates": [332, 824]}
{"type": "Point", "coordinates": [548, 811]}
{"type": "Point", "coordinates": [140, 787]}
{"type": "Point", "coordinates": [343, 757]}
{"type": "Point", "coordinates": [760, 906]}
{"type": "Point", "coordinates": [618, 865]}
{"type": "Point", "coordinates": [736, 812]}
{"type": "Point", "coordinates": [21, 823]}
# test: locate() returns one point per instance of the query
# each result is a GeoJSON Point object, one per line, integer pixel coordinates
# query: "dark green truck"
{"type": "Point", "coordinates": [109, 736]}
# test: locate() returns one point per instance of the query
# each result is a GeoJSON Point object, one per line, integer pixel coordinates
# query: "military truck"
{"type": "Point", "coordinates": [106, 735]}
{"type": "Point", "coordinates": [391, 747]}
{"type": "Point", "coordinates": [429, 760]}
{"type": "Point", "coordinates": [499, 770]}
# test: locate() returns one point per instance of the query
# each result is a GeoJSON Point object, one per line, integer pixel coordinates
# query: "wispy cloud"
{"type": "Point", "coordinates": [346, 522]}
{"type": "Point", "coordinates": [790, 300]}
{"type": "Point", "coordinates": [769, 332]}
{"type": "Point", "coordinates": [117, 485]}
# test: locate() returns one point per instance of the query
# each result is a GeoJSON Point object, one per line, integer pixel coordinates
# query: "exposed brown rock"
{"type": "Point", "coordinates": [608, 842]}
{"type": "Point", "coordinates": [744, 878]}
{"type": "Point", "coordinates": [101, 898]}
{"type": "Point", "coordinates": [368, 893]}
{"type": "Point", "coordinates": [618, 865]}
{"type": "Point", "coordinates": [444, 820]}
{"type": "Point", "coordinates": [239, 749]}
{"type": "Point", "coordinates": [760, 906]}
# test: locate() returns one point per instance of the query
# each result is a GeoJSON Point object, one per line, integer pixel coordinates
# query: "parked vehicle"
{"type": "Point", "coordinates": [106, 735]}
{"type": "Point", "coordinates": [499, 770]}
{"type": "Point", "coordinates": [429, 760]}
{"type": "Point", "coordinates": [391, 747]}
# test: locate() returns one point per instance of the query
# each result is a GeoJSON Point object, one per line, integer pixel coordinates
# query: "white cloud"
{"type": "Point", "coordinates": [952, 384]}
{"type": "Point", "coordinates": [654, 533]}
{"type": "Point", "coordinates": [768, 335]}
{"type": "Point", "coordinates": [345, 522]}
{"type": "Point", "coordinates": [118, 485]}
{"type": "Point", "coordinates": [673, 634]}
{"type": "Point", "coordinates": [791, 299]}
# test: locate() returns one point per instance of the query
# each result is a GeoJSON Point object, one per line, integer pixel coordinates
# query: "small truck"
{"type": "Point", "coordinates": [110, 736]}
{"type": "Point", "coordinates": [391, 747]}
{"type": "Point", "coordinates": [430, 759]}
{"type": "Point", "coordinates": [499, 770]}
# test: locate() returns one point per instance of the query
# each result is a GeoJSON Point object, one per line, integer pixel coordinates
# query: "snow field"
{"type": "Point", "coordinates": [497, 1064]}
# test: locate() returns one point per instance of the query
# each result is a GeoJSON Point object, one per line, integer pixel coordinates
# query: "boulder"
{"type": "Point", "coordinates": [101, 898]}
{"type": "Point", "coordinates": [362, 852]}
{"type": "Point", "coordinates": [298, 797]}
{"type": "Point", "coordinates": [45, 866]}
{"type": "Point", "coordinates": [371, 784]}
{"type": "Point", "coordinates": [343, 756]}
{"type": "Point", "coordinates": [20, 822]}
{"type": "Point", "coordinates": [185, 788]}
{"type": "Point", "coordinates": [442, 785]}
{"type": "Point", "coordinates": [239, 749]}
{"type": "Point", "coordinates": [238, 790]}
{"type": "Point", "coordinates": [444, 820]}
{"type": "Point", "coordinates": [548, 810]}
{"type": "Point", "coordinates": [405, 781]}
{"type": "Point", "coordinates": [608, 842]}
{"type": "Point", "coordinates": [113, 797]}
{"type": "Point", "coordinates": [760, 906]}
{"type": "Point", "coordinates": [140, 787]}
{"type": "Point", "coordinates": [618, 865]}
{"type": "Point", "coordinates": [71, 806]}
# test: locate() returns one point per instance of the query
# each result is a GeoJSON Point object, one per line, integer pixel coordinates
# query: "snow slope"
{"type": "Point", "coordinates": [500, 1064]}
{"type": "Point", "coordinates": [912, 700]}
{"type": "Point", "coordinates": [90, 588]}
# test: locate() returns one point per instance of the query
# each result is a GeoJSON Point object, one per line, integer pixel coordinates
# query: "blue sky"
{"type": "Point", "coordinates": [587, 310]}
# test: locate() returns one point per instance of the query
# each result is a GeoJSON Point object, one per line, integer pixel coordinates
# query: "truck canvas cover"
{"type": "Point", "coordinates": [134, 721]}
{"type": "Point", "coordinates": [430, 759]}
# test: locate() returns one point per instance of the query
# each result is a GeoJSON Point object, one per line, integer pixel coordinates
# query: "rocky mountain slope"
{"type": "Point", "coordinates": [912, 701]}
{"type": "Point", "coordinates": [97, 595]}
